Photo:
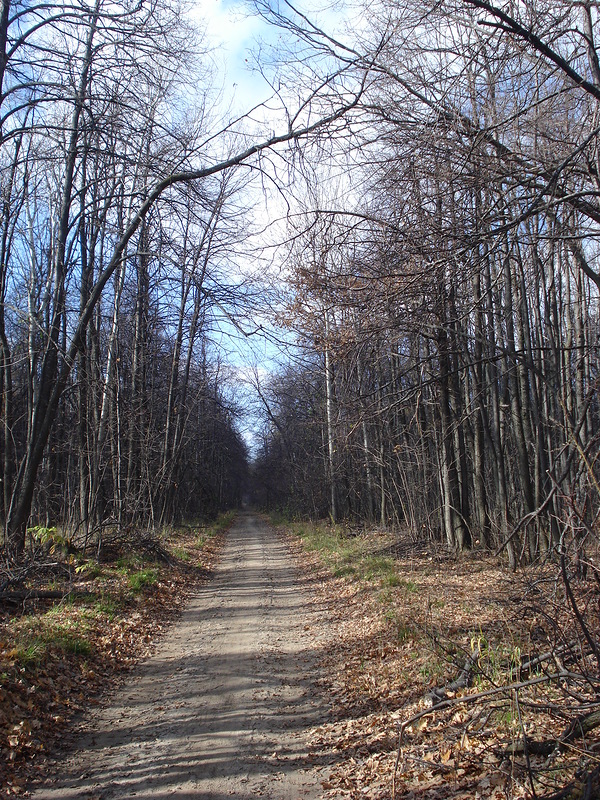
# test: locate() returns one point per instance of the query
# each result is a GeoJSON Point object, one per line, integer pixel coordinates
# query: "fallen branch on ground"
{"type": "Point", "coordinates": [470, 699]}
{"type": "Point", "coordinates": [16, 597]}
{"type": "Point", "coordinates": [440, 693]}
{"type": "Point", "coordinates": [576, 729]}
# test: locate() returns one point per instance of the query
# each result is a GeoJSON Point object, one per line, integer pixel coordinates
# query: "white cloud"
{"type": "Point", "coordinates": [234, 33]}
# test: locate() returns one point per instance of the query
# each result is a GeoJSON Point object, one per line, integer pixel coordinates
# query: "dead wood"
{"type": "Point", "coordinates": [130, 540]}
{"type": "Point", "coordinates": [21, 596]}
{"type": "Point", "coordinates": [577, 612]}
{"type": "Point", "coordinates": [526, 667]}
{"type": "Point", "coordinates": [440, 693]}
{"type": "Point", "coordinates": [470, 699]}
{"type": "Point", "coordinates": [14, 578]}
{"type": "Point", "coordinates": [576, 729]}
{"type": "Point", "coordinates": [465, 678]}
{"type": "Point", "coordinates": [586, 786]}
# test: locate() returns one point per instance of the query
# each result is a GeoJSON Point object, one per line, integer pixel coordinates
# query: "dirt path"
{"type": "Point", "coordinates": [224, 707]}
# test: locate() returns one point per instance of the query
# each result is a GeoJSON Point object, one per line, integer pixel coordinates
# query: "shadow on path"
{"type": "Point", "coordinates": [225, 707]}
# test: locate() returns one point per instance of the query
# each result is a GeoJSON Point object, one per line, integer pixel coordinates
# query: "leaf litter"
{"type": "Point", "coordinates": [388, 642]}
{"type": "Point", "coordinates": [395, 643]}
{"type": "Point", "coordinates": [59, 658]}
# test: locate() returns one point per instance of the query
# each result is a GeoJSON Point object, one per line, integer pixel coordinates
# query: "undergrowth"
{"type": "Point", "coordinates": [348, 555]}
{"type": "Point", "coordinates": [76, 622]}
{"type": "Point", "coordinates": [485, 674]}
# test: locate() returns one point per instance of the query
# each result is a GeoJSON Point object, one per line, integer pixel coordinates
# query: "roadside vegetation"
{"type": "Point", "coordinates": [72, 625]}
{"type": "Point", "coordinates": [450, 677]}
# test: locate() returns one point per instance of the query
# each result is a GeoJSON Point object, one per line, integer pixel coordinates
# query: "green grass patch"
{"type": "Point", "coordinates": [378, 568]}
{"type": "Point", "coordinates": [224, 521]}
{"type": "Point", "coordinates": [108, 605]}
{"type": "Point", "coordinates": [408, 585]}
{"type": "Point", "coordinates": [71, 642]}
{"type": "Point", "coordinates": [336, 550]}
{"type": "Point", "coordinates": [30, 654]}
{"type": "Point", "coordinates": [221, 524]}
{"type": "Point", "coordinates": [143, 579]}
{"type": "Point", "coordinates": [344, 570]}
{"type": "Point", "coordinates": [349, 556]}
{"type": "Point", "coordinates": [50, 633]}
{"type": "Point", "coordinates": [281, 517]}
{"type": "Point", "coordinates": [182, 554]}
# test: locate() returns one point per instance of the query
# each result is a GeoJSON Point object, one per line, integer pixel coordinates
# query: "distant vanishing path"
{"type": "Point", "coordinates": [224, 707]}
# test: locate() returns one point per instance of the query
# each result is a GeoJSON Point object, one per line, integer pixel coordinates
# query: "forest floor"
{"type": "Point", "coordinates": [450, 676]}
{"type": "Point", "coordinates": [61, 659]}
{"type": "Point", "coordinates": [326, 666]}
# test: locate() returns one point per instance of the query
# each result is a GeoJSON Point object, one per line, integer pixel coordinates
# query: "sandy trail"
{"type": "Point", "coordinates": [224, 707]}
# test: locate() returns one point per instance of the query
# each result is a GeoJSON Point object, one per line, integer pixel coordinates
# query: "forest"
{"type": "Point", "coordinates": [436, 271]}
{"type": "Point", "coordinates": [448, 312]}
{"type": "Point", "coordinates": [365, 304]}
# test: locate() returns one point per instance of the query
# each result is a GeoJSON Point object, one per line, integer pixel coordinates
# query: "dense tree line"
{"type": "Point", "coordinates": [113, 406]}
{"type": "Point", "coordinates": [445, 298]}
{"type": "Point", "coordinates": [120, 219]}
{"type": "Point", "coordinates": [448, 312]}
{"type": "Point", "coordinates": [123, 210]}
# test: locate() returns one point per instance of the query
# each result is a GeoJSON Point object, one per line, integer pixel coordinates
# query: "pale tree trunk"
{"type": "Point", "coordinates": [329, 402]}
{"type": "Point", "coordinates": [366, 444]}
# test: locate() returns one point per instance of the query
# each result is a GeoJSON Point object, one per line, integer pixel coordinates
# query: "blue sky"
{"type": "Point", "coordinates": [234, 32]}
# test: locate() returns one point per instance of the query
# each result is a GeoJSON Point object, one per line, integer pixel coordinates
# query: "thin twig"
{"type": "Point", "coordinates": [467, 700]}
{"type": "Point", "coordinates": [525, 744]}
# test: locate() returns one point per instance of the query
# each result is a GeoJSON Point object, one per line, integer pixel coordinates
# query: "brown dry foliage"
{"type": "Point", "coordinates": [390, 646]}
